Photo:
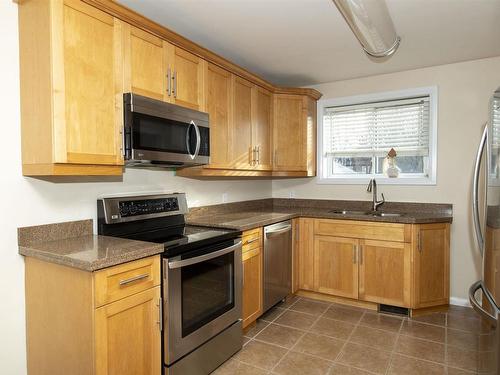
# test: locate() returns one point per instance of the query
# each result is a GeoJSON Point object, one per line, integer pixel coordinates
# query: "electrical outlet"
{"type": "Point", "coordinates": [224, 198]}
{"type": "Point", "coordinates": [291, 194]}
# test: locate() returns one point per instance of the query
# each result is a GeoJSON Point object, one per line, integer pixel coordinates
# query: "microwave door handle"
{"type": "Point", "coordinates": [475, 191]}
{"type": "Point", "coordinates": [202, 258]}
{"type": "Point", "coordinates": [198, 139]}
{"type": "Point", "coordinates": [188, 141]}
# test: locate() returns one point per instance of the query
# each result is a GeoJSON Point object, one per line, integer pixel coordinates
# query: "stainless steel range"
{"type": "Point", "coordinates": [201, 286]}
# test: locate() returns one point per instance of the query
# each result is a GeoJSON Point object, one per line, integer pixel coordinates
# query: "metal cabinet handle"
{"type": "Point", "coordinates": [135, 278]}
{"type": "Point", "coordinates": [476, 306]}
{"type": "Point", "coordinates": [258, 154]}
{"type": "Point", "coordinates": [475, 193]}
{"type": "Point", "coordinates": [202, 258]}
{"type": "Point", "coordinates": [354, 253]}
{"type": "Point", "coordinates": [169, 83]}
{"type": "Point", "coordinates": [419, 241]}
{"type": "Point", "coordinates": [160, 313]}
{"type": "Point", "coordinates": [251, 241]}
{"type": "Point", "coordinates": [174, 78]}
{"type": "Point", "coordinates": [361, 254]}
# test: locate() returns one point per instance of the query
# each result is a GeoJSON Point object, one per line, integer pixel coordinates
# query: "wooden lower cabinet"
{"type": "Point", "coordinates": [305, 253]}
{"type": "Point", "coordinates": [252, 286]}
{"type": "Point", "coordinates": [128, 335]}
{"type": "Point", "coordinates": [350, 259]}
{"type": "Point", "coordinates": [336, 266]}
{"type": "Point", "coordinates": [252, 292]}
{"type": "Point", "coordinates": [431, 264]}
{"type": "Point", "coordinates": [93, 323]}
{"type": "Point", "coordinates": [385, 272]}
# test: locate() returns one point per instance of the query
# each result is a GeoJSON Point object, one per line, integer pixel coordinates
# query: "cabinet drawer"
{"type": "Point", "coordinates": [251, 239]}
{"type": "Point", "coordinates": [114, 283]}
{"type": "Point", "coordinates": [363, 230]}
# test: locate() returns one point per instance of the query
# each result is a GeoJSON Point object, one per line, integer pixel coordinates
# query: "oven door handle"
{"type": "Point", "coordinates": [187, 262]}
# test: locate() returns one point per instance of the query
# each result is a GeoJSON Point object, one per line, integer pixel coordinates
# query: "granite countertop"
{"type": "Point", "coordinates": [73, 244]}
{"type": "Point", "coordinates": [253, 214]}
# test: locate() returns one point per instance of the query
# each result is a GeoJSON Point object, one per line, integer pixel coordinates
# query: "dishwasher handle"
{"type": "Point", "coordinates": [279, 231]}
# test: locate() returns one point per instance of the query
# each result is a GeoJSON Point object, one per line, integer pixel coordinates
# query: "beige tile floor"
{"type": "Point", "coordinates": [304, 336]}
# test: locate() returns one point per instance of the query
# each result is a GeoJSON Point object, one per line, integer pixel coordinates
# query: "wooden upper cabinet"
{"type": "Point", "coordinates": [385, 272]}
{"type": "Point", "coordinates": [219, 108]}
{"type": "Point", "coordinates": [71, 88]}
{"type": "Point", "coordinates": [186, 74]}
{"type": "Point", "coordinates": [336, 266]}
{"type": "Point", "coordinates": [262, 128]}
{"type": "Point", "coordinates": [431, 259]}
{"type": "Point", "coordinates": [242, 155]}
{"type": "Point", "coordinates": [145, 65]}
{"type": "Point", "coordinates": [294, 134]}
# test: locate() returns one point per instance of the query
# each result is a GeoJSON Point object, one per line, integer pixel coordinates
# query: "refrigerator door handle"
{"type": "Point", "coordinates": [477, 306]}
{"type": "Point", "coordinates": [475, 191]}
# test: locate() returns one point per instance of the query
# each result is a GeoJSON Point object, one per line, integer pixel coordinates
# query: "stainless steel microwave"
{"type": "Point", "coordinates": [159, 134]}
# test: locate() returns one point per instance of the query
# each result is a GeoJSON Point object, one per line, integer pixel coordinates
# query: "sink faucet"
{"type": "Point", "coordinates": [372, 187]}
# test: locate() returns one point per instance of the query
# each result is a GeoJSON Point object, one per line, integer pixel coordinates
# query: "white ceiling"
{"type": "Point", "coordinates": [304, 42]}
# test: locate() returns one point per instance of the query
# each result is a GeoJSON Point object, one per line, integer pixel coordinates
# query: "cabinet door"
{"type": "Point", "coordinates": [384, 272]}
{"type": "Point", "coordinates": [336, 266]}
{"type": "Point", "coordinates": [243, 156]}
{"type": "Point", "coordinates": [262, 129]}
{"type": "Point", "coordinates": [187, 78]}
{"type": "Point", "coordinates": [88, 70]}
{"type": "Point", "coordinates": [219, 101]}
{"type": "Point", "coordinates": [305, 254]}
{"type": "Point", "coordinates": [127, 335]}
{"type": "Point", "coordinates": [431, 259]}
{"type": "Point", "coordinates": [252, 285]}
{"type": "Point", "coordinates": [145, 65]}
{"type": "Point", "coordinates": [289, 133]}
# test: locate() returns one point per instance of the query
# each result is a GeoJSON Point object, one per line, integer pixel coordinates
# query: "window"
{"type": "Point", "coordinates": [357, 133]}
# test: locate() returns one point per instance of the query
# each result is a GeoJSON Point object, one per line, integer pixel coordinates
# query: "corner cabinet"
{"type": "Point", "coordinates": [97, 323]}
{"type": "Point", "coordinates": [71, 89]}
{"type": "Point", "coordinates": [294, 134]}
{"type": "Point", "coordinates": [404, 265]}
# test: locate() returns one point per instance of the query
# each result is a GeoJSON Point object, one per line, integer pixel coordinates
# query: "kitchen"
{"type": "Point", "coordinates": [463, 84]}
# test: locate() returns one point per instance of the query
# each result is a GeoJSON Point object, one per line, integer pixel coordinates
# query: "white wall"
{"type": "Point", "coordinates": [464, 90]}
{"type": "Point", "coordinates": [27, 201]}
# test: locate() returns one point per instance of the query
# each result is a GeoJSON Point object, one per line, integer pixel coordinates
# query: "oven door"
{"type": "Point", "coordinates": [162, 133]}
{"type": "Point", "coordinates": [202, 292]}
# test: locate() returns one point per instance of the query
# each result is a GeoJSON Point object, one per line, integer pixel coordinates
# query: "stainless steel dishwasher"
{"type": "Point", "coordinates": [277, 263]}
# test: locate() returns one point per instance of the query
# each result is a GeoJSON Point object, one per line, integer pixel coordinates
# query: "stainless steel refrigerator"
{"type": "Point", "coordinates": [484, 294]}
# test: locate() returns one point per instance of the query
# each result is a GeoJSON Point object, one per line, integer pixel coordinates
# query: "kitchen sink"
{"type": "Point", "coordinates": [366, 213]}
{"type": "Point", "coordinates": [386, 214]}
{"type": "Point", "coordinates": [350, 212]}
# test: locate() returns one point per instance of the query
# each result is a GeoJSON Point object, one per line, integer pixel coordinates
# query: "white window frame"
{"type": "Point", "coordinates": [431, 91]}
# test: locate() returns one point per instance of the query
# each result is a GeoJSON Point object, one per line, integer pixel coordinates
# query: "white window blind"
{"type": "Point", "coordinates": [374, 128]}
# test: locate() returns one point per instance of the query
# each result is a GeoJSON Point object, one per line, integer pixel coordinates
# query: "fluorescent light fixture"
{"type": "Point", "coordinates": [372, 25]}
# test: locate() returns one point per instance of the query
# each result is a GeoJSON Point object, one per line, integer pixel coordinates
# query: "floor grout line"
{"type": "Point", "coordinates": [300, 338]}
{"type": "Point", "coordinates": [391, 357]}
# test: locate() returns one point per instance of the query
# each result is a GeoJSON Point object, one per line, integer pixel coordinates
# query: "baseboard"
{"type": "Point", "coordinates": [459, 301]}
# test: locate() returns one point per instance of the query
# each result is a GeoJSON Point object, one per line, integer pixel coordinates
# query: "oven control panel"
{"type": "Point", "coordinates": [131, 208]}
{"type": "Point", "coordinates": [148, 206]}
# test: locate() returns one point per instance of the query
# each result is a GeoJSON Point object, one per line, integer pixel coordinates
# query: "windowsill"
{"type": "Point", "coordinates": [380, 180]}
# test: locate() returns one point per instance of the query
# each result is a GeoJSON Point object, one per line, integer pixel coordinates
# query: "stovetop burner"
{"type": "Point", "coordinates": [184, 238]}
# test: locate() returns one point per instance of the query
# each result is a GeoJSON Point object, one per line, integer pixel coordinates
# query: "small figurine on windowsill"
{"type": "Point", "coordinates": [390, 167]}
